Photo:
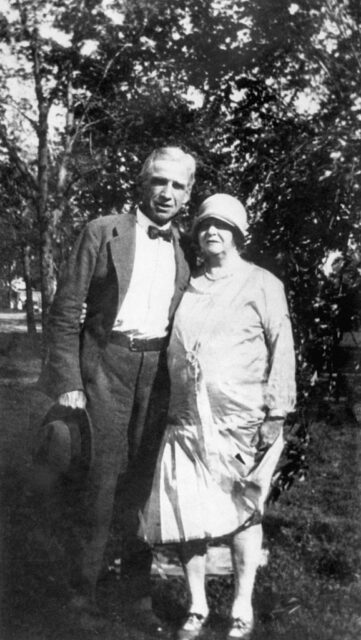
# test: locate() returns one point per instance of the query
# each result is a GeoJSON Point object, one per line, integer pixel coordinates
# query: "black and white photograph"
{"type": "Point", "coordinates": [180, 319]}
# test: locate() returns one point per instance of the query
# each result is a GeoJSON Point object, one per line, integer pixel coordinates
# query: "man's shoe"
{"type": "Point", "coordinates": [141, 611]}
{"type": "Point", "coordinates": [193, 627]}
{"type": "Point", "coordinates": [91, 622]}
{"type": "Point", "coordinates": [85, 614]}
{"type": "Point", "coordinates": [240, 629]}
{"type": "Point", "coordinates": [151, 622]}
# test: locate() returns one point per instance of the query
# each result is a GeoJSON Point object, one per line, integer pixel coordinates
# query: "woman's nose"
{"type": "Point", "coordinates": [212, 229]}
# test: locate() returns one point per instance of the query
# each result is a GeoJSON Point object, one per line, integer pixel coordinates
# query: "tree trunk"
{"type": "Point", "coordinates": [9, 289]}
{"type": "Point", "coordinates": [44, 218]}
{"type": "Point", "coordinates": [47, 273]}
{"type": "Point", "coordinates": [46, 250]}
{"type": "Point", "coordinates": [30, 315]}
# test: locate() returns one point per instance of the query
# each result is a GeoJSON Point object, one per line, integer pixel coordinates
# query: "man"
{"type": "Point", "coordinates": [130, 271]}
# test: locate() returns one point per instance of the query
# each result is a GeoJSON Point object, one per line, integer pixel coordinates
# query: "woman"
{"type": "Point", "coordinates": [231, 363]}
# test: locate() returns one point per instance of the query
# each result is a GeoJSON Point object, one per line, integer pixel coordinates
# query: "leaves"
{"type": "Point", "coordinates": [265, 94]}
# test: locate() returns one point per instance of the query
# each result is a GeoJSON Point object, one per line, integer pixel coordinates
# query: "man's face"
{"type": "Point", "coordinates": [164, 191]}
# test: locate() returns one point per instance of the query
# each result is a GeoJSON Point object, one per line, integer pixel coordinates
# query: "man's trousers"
{"type": "Point", "coordinates": [127, 396]}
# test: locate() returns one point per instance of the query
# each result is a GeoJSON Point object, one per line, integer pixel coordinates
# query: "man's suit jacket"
{"type": "Point", "coordinates": [98, 273]}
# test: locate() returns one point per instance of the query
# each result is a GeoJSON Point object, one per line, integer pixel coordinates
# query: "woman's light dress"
{"type": "Point", "coordinates": [231, 360]}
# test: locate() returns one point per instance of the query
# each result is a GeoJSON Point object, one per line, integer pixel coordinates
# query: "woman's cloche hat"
{"type": "Point", "coordinates": [223, 207]}
{"type": "Point", "coordinates": [65, 442]}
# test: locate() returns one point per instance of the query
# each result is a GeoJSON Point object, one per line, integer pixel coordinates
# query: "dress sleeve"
{"type": "Point", "coordinates": [280, 392]}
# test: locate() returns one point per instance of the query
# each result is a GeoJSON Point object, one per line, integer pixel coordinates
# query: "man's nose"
{"type": "Point", "coordinates": [167, 190]}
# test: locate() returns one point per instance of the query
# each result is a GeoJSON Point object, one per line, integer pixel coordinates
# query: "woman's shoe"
{"type": "Point", "coordinates": [240, 629]}
{"type": "Point", "coordinates": [193, 627]}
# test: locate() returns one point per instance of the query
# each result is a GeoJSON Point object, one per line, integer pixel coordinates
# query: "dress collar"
{"type": "Point", "coordinates": [240, 274]}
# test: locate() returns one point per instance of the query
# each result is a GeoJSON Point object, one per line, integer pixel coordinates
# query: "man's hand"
{"type": "Point", "coordinates": [74, 399]}
{"type": "Point", "coordinates": [268, 432]}
{"type": "Point", "coordinates": [84, 308]}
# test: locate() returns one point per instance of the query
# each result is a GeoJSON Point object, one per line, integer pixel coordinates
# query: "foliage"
{"type": "Point", "coordinates": [265, 93]}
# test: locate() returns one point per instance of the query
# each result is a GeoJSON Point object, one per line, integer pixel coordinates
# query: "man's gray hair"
{"type": "Point", "coordinates": [174, 154]}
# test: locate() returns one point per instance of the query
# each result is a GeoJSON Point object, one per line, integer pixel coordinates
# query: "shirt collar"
{"type": "Point", "coordinates": [145, 223]}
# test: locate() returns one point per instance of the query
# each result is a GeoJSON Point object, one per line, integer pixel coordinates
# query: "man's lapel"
{"type": "Point", "coordinates": [182, 273]}
{"type": "Point", "coordinates": [122, 247]}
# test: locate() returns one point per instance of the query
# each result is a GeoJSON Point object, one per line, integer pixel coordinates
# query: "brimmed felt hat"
{"type": "Point", "coordinates": [223, 207]}
{"type": "Point", "coordinates": [66, 443]}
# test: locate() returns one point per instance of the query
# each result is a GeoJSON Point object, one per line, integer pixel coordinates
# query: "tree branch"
{"type": "Point", "coordinates": [81, 127]}
{"type": "Point", "coordinates": [18, 161]}
{"type": "Point", "coordinates": [33, 122]}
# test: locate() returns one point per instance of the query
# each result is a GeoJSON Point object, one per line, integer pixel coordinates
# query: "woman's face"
{"type": "Point", "coordinates": [215, 237]}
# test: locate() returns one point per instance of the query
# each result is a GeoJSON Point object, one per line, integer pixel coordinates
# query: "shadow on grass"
{"type": "Point", "coordinates": [309, 590]}
{"type": "Point", "coordinates": [35, 563]}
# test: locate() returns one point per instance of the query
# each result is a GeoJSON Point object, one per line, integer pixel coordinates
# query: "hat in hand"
{"type": "Point", "coordinates": [66, 442]}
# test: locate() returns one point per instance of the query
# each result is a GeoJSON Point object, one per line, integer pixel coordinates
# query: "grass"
{"type": "Point", "coordinates": [309, 590]}
{"type": "Point", "coordinates": [311, 586]}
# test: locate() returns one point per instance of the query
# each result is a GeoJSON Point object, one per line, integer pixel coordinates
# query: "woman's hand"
{"type": "Point", "coordinates": [269, 432]}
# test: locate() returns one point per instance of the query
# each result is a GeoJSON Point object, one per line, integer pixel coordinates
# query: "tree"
{"type": "Point", "coordinates": [45, 52]}
{"type": "Point", "coordinates": [264, 92]}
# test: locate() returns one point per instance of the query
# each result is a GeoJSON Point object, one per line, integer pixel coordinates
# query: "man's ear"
{"type": "Point", "coordinates": [187, 195]}
{"type": "Point", "coordinates": [138, 189]}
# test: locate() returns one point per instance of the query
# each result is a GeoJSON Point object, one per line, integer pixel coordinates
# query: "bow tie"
{"type": "Point", "coordinates": [154, 233]}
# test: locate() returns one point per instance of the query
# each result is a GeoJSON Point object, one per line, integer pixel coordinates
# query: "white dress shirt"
{"type": "Point", "coordinates": [145, 308]}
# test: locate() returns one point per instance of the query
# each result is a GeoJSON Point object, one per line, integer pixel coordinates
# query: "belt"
{"type": "Point", "coordinates": [137, 344]}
